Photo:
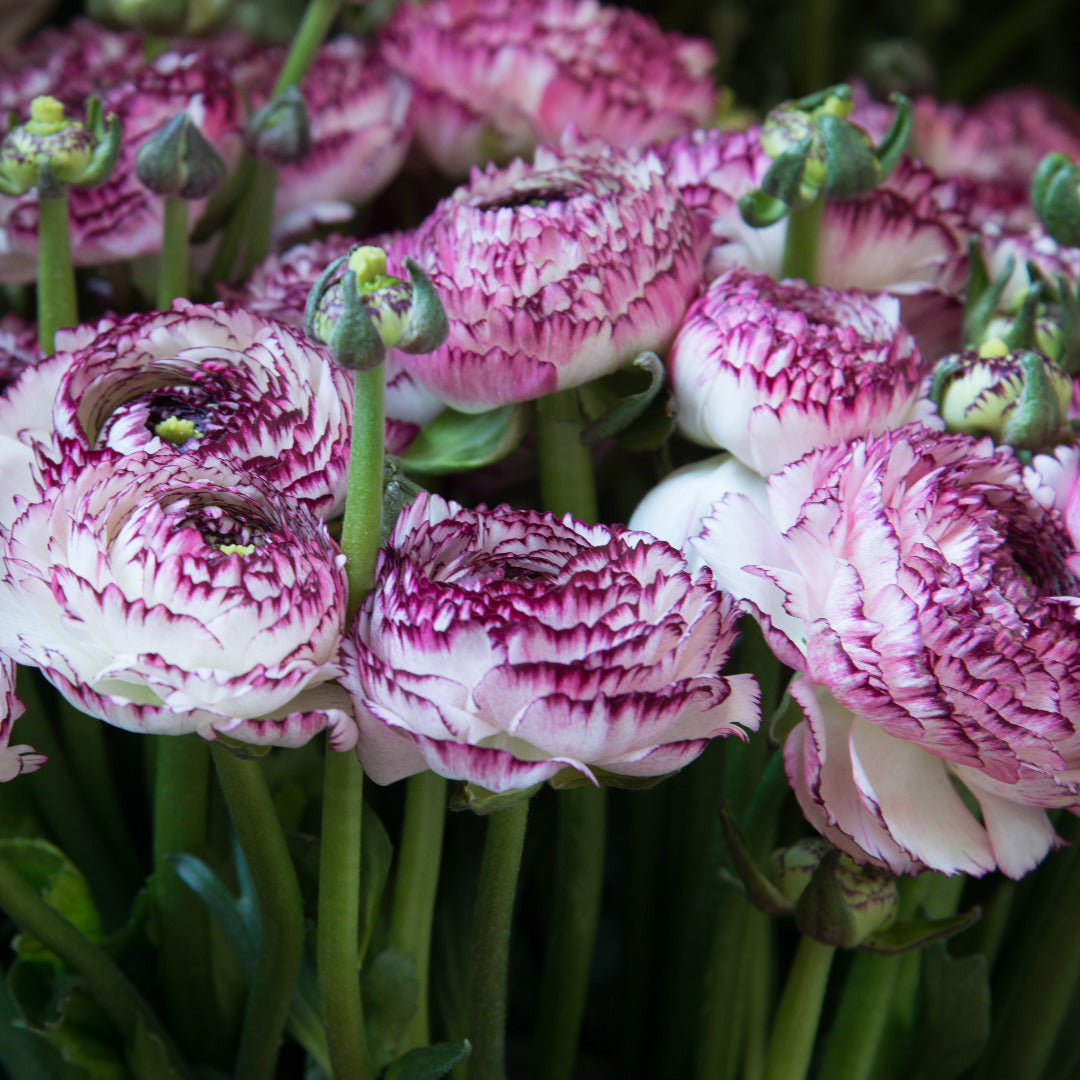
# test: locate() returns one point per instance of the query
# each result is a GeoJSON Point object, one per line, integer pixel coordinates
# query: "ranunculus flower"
{"type": "Point", "coordinates": [920, 583]}
{"type": "Point", "coordinates": [213, 382]}
{"type": "Point", "coordinates": [121, 218]}
{"type": "Point", "coordinates": [169, 600]}
{"type": "Point", "coordinates": [769, 370]}
{"type": "Point", "coordinates": [14, 760]}
{"type": "Point", "coordinates": [554, 274]}
{"type": "Point", "coordinates": [495, 78]}
{"type": "Point", "coordinates": [504, 646]}
{"type": "Point", "coordinates": [278, 288]}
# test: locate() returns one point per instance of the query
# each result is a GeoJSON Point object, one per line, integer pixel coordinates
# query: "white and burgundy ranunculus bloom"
{"type": "Point", "coordinates": [279, 288]}
{"type": "Point", "coordinates": [495, 78]}
{"type": "Point", "coordinates": [213, 383]}
{"type": "Point", "coordinates": [770, 370]}
{"type": "Point", "coordinates": [167, 600]}
{"type": "Point", "coordinates": [14, 760]}
{"type": "Point", "coordinates": [121, 218]}
{"type": "Point", "coordinates": [18, 348]}
{"type": "Point", "coordinates": [504, 646]}
{"type": "Point", "coordinates": [921, 585]}
{"type": "Point", "coordinates": [554, 274]}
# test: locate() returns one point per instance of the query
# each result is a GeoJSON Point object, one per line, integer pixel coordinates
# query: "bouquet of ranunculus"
{"type": "Point", "coordinates": [692, 493]}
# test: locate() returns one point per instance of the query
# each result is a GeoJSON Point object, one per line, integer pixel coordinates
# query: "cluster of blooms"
{"type": "Point", "coordinates": [168, 476]}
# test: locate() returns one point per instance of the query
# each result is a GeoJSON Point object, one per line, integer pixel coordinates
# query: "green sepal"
{"type": "Point", "coordinates": [893, 145]}
{"type": "Point", "coordinates": [760, 891]}
{"type": "Point", "coordinates": [1036, 421]}
{"type": "Point", "coordinates": [389, 988]}
{"type": "Point", "coordinates": [147, 1055]}
{"type": "Point", "coordinates": [428, 1062]}
{"type": "Point", "coordinates": [455, 442]}
{"type": "Point", "coordinates": [981, 295]}
{"type": "Point", "coordinates": [178, 159]}
{"type": "Point", "coordinates": [944, 370]}
{"type": "Point", "coordinates": [1055, 198]}
{"type": "Point", "coordinates": [355, 340]}
{"type": "Point", "coordinates": [1021, 334]}
{"type": "Point", "coordinates": [469, 796]}
{"type": "Point", "coordinates": [760, 210]}
{"type": "Point", "coordinates": [613, 403]}
{"type": "Point", "coordinates": [280, 132]}
{"type": "Point", "coordinates": [568, 778]}
{"type": "Point", "coordinates": [1069, 357]}
{"type": "Point", "coordinates": [845, 903]}
{"type": "Point", "coordinates": [426, 325]}
{"type": "Point", "coordinates": [908, 935]}
{"type": "Point", "coordinates": [785, 176]}
{"type": "Point", "coordinates": [851, 166]}
{"type": "Point", "coordinates": [105, 155]}
{"type": "Point", "coordinates": [243, 750]}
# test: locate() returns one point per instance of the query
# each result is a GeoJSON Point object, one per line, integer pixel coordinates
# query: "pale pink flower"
{"type": "Point", "coordinates": [920, 583]}
{"type": "Point", "coordinates": [554, 274]}
{"type": "Point", "coordinates": [14, 760]}
{"type": "Point", "coordinates": [18, 347]}
{"type": "Point", "coordinates": [166, 599]}
{"type": "Point", "coordinates": [495, 78]}
{"type": "Point", "coordinates": [504, 646]}
{"type": "Point", "coordinates": [121, 218]}
{"type": "Point", "coordinates": [212, 383]}
{"type": "Point", "coordinates": [770, 370]}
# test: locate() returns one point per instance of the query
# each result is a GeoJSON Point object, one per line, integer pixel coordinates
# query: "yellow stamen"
{"type": "Point", "coordinates": [236, 549]}
{"type": "Point", "coordinates": [175, 431]}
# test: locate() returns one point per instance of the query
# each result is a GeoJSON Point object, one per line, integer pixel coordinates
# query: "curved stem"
{"type": "Point", "coordinates": [801, 242]}
{"type": "Point", "coordinates": [56, 302]}
{"type": "Point", "coordinates": [173, 268]}
{"type": "Point", "coordinates": [181, 791]}
{"type": "Point", "coordinates": [280, 912]}
{"type": "Point", "coordinates": [339, 914]}
{"type": "Point", "coordinates": [419, 858]}
{"type": "Point", "coordinates": [107, 984]}
{"type": "Point", "coordinates": [579, 869]}
{"type": "Point", "coordinates": [491, 940]}
{"type": "Point", "coordinates": [795, 1026]}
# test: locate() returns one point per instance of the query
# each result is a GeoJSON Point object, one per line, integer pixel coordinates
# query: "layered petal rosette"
{"type": "Point", "coordinates": [921, 585]}
{"type": "Point", "coordinates": [168, 600]}
{"type": "Point", "coordinates": [554, 274]}
{"type": "Point", "coordinates": [504, 646]}
{"type": "Point", "coordinates": [495, 78]}
{"type": "Point", "coordinates": [212, 382]}
{"type": "Point", "coordinates": [769, 370]}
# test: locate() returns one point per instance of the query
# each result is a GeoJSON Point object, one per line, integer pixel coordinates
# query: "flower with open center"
{"type": "Point", "coordinates": [921, 585]}
{"type": "Point", "coordinates": [167, 599]}
{"type": "Point", "coordinates": [212, 382]}
{"type": "Point", "coordinates": [554, 274]}
{"type": "Point", "coordinates": [503, 647]}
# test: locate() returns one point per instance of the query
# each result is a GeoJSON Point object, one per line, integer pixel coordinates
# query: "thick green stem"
{"type": "Point", "coordinates": [106, 983]}
{"type": "Point", "coordinates": [419, 858]}
{"type": "Point", "coordinates": [801, 242]}
{"type": "Point", "coordinates": [856, 1034]}
{"type": "Point", "coordinates": [364, 495]}
{"type": "Point", "coordinates": [56, 303]}
{"type": "Point", "coordinates": [173, 268]}
{"type": "Point", "coordinates": [491, 940]}
{"type": "Point", "coordinates": [567, 481]}
{"type": "Point", "coordinates": [339, 913]}
{"type": "Point", "coordinates": [795, 1026]}
{"type": "Point", "coordinates": [259, 212]}
{"type": "Point", "coordinates": [579, 871]}
{"type": "Point", "coordinates": [181, 796]}
{"type": "Point", "coordinates": [281, 915]}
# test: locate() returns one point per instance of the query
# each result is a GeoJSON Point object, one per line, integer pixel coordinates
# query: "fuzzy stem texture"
{"type": "Point", "coordinates": [173, 272]}
{"type": "Point", "coordinates": [57, 306]}
{"type": "Point", "coordinates": [801, 242]}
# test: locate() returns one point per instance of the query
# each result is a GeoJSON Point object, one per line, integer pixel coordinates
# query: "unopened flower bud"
{"type": "Point", "coordinates": [846, 904]}
{"type": "Point", "coordinates": [1055, 198]}
{"type": "Point", "coordinates": [1017, 397]}
{"type": "Point", "coordinates": [51, 149]}
{"type": "Point", "coordinates": [279, 132]}
{"type": "Point", "coordinates": [173, 17]}
{"type": "Point", "coordinates": [179, 160]}
{"type": "Point", "coordinates": [367, 311]}
{"type": "Point", "coordinates": [793, 867]}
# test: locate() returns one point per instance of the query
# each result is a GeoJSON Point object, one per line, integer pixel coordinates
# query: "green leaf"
{"type": "Point", "coordinates": [23, 1054]}
{"type": "Point", "coordinates": [915, 934]}
{"type": "Point", "coordinates": [149, 1056]}
{"type": "Point", "coordinates": [614, 402]}
{"type": "Point", "coordinates": [469, 796]}
{"type": "Point", "coordinates": [851, 166]}
{"type": "Point", "coordinates": [390, 992]}
{"type": "Point", "coordinates": [428, 1062]}
{"type": "Point", "coordinates": [954, 1018]}
{"type": "Point", "coordinates": [376, 854]}
{"type": "Point", "coordinates": [456, 441]}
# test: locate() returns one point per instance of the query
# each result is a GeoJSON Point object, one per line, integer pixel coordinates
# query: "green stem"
{"type": "Point", "coordinates": [579, 868]}
{"type": "Point", "coordinates": [260, 216]}
{"type": "Point", "coordinates": [56, 302]}
{"type": "Point", "coordinates": [106, 983]}
{"type": "Point", "coordinates": [722, 1022]}
{"type": "Point", "coordinates": [318, 17]}
{"type": "Point", "coordinates": [856, 1034]}
{"type": "Point", "coordinates": [411, 919]}
{"type": "Point", "coordinates": [173, 265]}
{"type": "Point", "coordinates": [795, 1026]}
{"type": "Point", "coordinates": [801, 242]}
{"type": "Point", "coordinates": [281, 915]}
{"type": "Point", "coordinates": [567, 482]}
{"type": "Point", "coordinates": [758, 950]}
{"type": "Point", "coordinates": [492, 919]}
{"type": "Point", "coordinates": [235, 231]}
{"type": "Point", "coordinates": [1043, 989]}
{"type": "Point", "coordinates": [339, 916]}
{"type": "Point", "coordinates": [181, 796]}
{"type": "Point", "coordinates": [364, 494]}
